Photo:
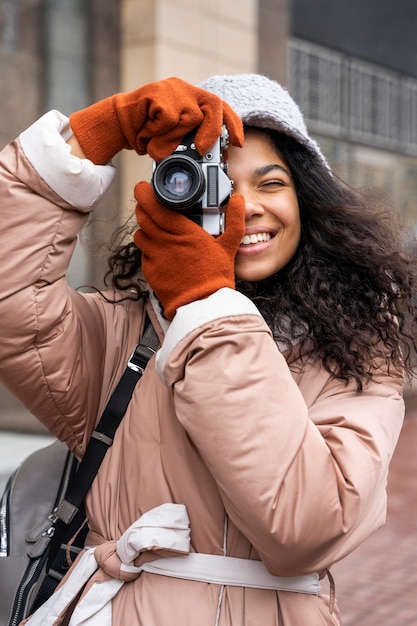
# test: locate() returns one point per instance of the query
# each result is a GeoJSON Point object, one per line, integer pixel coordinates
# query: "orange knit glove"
{"type": "Point", "coordinates": [153, 119]}
{"type": "Point", "coordinates": [180, 261]}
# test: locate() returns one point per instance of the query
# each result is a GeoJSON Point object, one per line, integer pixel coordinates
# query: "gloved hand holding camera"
{"type": "Point", "coordinates": [180, 260]}
{"type": "Point", "coordinates": [185, 129]}
{"type": "Point", "coordinates": [153, 120]}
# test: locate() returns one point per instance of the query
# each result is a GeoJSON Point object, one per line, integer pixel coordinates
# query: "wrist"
{"type": "Point", "coordinates": [76, 149]}
{"type": "Point", "coordinates": [77, 181]}
{"type": "Point", "coordinates": [97, 131]}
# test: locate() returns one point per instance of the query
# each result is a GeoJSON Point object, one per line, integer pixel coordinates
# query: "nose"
{"type": "Point", "coordinates": [252, 205]}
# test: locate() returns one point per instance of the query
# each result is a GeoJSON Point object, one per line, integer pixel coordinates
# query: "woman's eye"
{"type": "Point", "coordinates": [272, 183]}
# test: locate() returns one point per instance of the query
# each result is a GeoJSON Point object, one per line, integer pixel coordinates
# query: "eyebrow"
{"type": "Point", "coordinates": [265, 169]}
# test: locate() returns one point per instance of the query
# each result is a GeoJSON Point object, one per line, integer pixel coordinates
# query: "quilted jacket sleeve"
{"type": "Point", "coordinates": [51, 337]}
{"type": "Point", "coordinates": [305, 484]}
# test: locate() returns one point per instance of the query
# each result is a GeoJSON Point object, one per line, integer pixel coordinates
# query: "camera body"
{"type": "Point", "coordinates": [195, 185]}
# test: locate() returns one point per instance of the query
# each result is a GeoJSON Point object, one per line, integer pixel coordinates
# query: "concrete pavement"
{"type": "Point", "coordinates": [377, 584]}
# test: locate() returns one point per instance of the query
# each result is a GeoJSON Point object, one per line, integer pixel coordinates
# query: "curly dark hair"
{"type": "Point", "coordinates": [347, 297]}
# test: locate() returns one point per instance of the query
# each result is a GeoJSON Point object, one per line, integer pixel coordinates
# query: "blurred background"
{"type": "Point", "coordinates": [352, 68]}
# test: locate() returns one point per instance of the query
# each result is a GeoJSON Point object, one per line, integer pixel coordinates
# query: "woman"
{"type": "Point", "coordinates": [255, 451]}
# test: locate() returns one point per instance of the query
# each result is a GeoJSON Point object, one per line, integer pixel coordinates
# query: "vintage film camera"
{"type": "Point", "coordinates": [195, 185]}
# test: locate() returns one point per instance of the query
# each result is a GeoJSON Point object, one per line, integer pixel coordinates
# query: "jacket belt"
{"type": "Point", "coordinates": [165, 527]}
{"type": "Point", "coordinates": [231, 571]}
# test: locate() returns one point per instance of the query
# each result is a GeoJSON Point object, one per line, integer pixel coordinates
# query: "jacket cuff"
{"type": "Point", "coordinates": [78, 181]}
{"type": "Point", "coordinates": [223, 303]}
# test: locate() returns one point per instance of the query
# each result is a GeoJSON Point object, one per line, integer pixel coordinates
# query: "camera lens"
{"type": "Point", "coordinates": [178, 182]}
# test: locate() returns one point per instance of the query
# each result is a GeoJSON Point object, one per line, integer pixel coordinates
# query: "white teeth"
{"type": "Point", "coordinates": [248, 239]}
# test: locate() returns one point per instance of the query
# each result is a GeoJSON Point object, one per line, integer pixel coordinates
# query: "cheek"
{"type": "Point", "coordinates": [289, 246]}
{"type": "Point", "coordinates": [292, 236]}
{"type": "Point", "coordinates": [287, 212]}
{"type": "Point", "coordinates": [294, 231]}
{"type": "Point", "coordinates": [289, 218]}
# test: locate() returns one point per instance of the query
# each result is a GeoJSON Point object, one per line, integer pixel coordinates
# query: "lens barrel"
{"type": "Point", "coordinates": [178, 182]}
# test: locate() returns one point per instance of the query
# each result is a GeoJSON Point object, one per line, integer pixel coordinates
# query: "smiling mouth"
{"type": "Point", "coordinates": [248, 240]}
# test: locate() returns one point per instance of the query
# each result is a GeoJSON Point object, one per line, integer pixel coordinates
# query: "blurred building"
{"type": "Point", "coordinates": [353, 70]}
{"type": "Point", "coordinates": [352, 67]}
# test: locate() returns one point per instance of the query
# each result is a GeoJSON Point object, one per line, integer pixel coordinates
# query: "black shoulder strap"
{"type": "Point", "coordinates": [102, 436]}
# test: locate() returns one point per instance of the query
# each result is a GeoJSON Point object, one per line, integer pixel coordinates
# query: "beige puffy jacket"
{"type": "Point", "coordinates": [295, 461]}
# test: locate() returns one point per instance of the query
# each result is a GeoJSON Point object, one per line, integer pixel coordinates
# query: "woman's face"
{"type": "Point", "coordinates": [272, 215]}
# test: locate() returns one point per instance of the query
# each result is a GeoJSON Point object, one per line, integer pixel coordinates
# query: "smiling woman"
{"type": "Point", "coordinates": [257, 445]}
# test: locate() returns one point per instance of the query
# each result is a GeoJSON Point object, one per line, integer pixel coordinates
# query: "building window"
{"type": "Point", "coordinates": [347, 98]}
{"type": "Point", "coordinates": [317, 86]}
{"type": "Point", "coordinates": [374, 111]}
{"type": "Point", "coordinates": [409, 114]}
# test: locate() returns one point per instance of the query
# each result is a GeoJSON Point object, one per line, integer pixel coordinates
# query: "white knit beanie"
{"type": "Point", "coordinates": [262, 102]}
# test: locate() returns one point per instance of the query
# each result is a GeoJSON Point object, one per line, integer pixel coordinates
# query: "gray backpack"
{"type": "Point", "coordinates": [32, 493]}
